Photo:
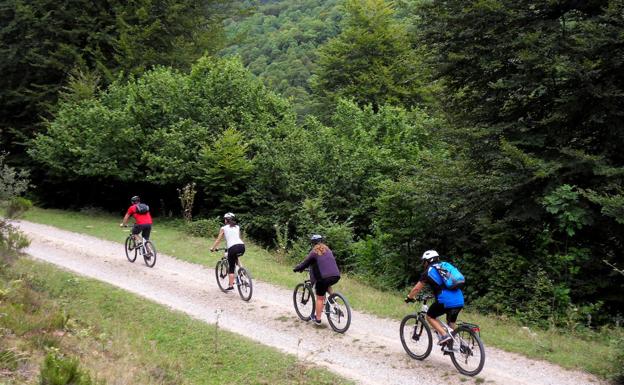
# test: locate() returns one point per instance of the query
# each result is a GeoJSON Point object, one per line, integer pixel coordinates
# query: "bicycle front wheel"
{"type": "Point", "coordinates": [245, 285]}
{"type": "Point", "coordinates": [469, 356]}
{"type": "Point", "coordinates": [338, 312]}
{"type": "Point", "coordinates": [131, 251]}
{"type": "Point", "coordinates": [221, 273]}
{"type": "Point", "coordinates": [416, 336]}
{"type": "Point", "coordinates": [149, 253]}
{"type": "Point", "coordinates": [303, 299]}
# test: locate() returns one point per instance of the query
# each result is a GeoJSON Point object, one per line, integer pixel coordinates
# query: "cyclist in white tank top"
{"type": "Point", "coordinates": [232, 235]}
{"type": "Point", "coordinates": [233, 242]}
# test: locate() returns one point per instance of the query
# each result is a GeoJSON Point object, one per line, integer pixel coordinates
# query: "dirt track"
{"type": "Point", "coordinates": [369, 353]}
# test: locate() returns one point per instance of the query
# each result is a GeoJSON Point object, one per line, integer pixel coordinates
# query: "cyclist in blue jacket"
{"type": "Point", "coordinates": [449, 302]}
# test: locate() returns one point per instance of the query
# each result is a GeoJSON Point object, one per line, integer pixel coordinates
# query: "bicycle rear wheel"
{"type": "Point", "coordinates": [338, 312]}
{"type": "Point", "coordinates": [245, 285]}
{"type": "Point", "coordinates": [303, 299]}
{"type": "Point", "coordinates": [131, 250]}
{"type": "Point", "coordinates": [416, 336]}
{"type": "Point", "coordinates": [149, 253]}
{"type": "Point", "coordinates": [469, 357]}
{"type": "Point", "coordinates": [221, 273]}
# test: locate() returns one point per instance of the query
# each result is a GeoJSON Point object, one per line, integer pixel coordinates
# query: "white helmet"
{"type": "Point", "coordinates": [429, 255]}
{"type": "Point", "coordinates": [229, 216]}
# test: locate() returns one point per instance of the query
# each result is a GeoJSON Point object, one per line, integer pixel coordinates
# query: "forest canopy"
{"type": "Point", "coordinates": [490, 131]}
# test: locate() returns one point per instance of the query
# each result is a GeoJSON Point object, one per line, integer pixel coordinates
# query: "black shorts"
{"type": "Point", "coordinates": [145, 230]}
{"type": "Point", "coordinates": [322, 285]}
{"type": "Point", "coordinates": [437, 309]}
{"type": "Point", "coordinates": [233, 253]}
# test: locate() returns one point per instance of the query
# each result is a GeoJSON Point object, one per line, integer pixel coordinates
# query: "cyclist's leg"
{"type": "Point", "coordinates": [232, 260]}
{"type": "Point", "coordinates": [136, 230]}
{"type": "Point", "coordinates": [436, 310]}
{"type": "Point", "coordinates": [451, 316]}
{"type": "Point", "coordinates": [146, 231]}
{"type": "Point", "coordinates": [234, 253]}
{"type": "Point", "coordinates": [334, 280]}
{"type": "Point", "coordinates": [320, 287]}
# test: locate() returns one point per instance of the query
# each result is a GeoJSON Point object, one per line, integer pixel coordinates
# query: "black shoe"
{"type": "Point", "coordinates": [230, 288]}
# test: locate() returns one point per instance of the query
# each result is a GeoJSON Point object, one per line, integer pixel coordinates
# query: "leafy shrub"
{"type": "Point", "coordinates": [17, 206]}
{"type": "Point", "coordinates": [59, 370]}
{"type": "Point", "coordinates": [204, 227]}
{"type": "Point", "coordinates": [339, 237]}
{"type": "Point", "coordinates": [13, 182]}
{"type": "Point", "coordinates": [299, 249]}
{"type": "Point", "coordinates": [11, 241]}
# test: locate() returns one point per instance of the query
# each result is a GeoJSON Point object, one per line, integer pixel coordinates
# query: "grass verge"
{"type": "Point", "coordinates": [124, 339]}
{"type": "Point", "coordinates": [591, 351]}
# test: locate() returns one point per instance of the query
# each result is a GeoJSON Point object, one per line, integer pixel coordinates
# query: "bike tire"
{"type": "Point", "coordinates": [460, 358]}
{"type": "Point", "coordinates": [416, 336]}
{"type": "Point", "coordinates": [221, 273]}
{"type": "Point", "coordinates": [131, 254]}
{"type": "Point", "coordinates": [339, 314]}
{"type": "Point", "coordinates": [149, 253]}
{"type": "Point", "coordinates": [302, 298]}
{"type": "Point", "coordinates": [245, 284]}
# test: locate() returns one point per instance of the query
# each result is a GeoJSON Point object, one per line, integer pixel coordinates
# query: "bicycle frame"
{"type": "Point", "coordinates": [224, 258]}
{"type": "Point", "coordinates": [457, 340]}
{"type": "Point", "coordinates": [308, 283]}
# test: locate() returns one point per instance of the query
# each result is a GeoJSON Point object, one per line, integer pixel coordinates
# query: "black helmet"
{"type": "Point", "coordinates": [135, 199]}
{"type": "Point", "coordinates": [316, 238]}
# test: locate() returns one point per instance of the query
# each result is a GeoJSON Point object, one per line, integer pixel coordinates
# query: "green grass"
{"type": "Point", "coordinates": [123, 338]}
{"type": "Point", "coordinates": [589, 351]}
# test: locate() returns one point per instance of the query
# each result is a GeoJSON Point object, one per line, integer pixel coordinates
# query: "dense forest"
{"type": "Point", "coordinates": [491, 131]}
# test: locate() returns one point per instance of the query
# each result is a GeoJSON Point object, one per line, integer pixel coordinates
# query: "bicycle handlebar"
{"type": "Point", "coordinates": [218, 249]}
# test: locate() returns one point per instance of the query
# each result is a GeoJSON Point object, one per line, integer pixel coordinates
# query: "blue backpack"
{"type": "Point", "coordinates": [448, 276]}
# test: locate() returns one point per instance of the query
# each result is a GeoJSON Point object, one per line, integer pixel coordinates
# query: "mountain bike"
{"type": "Point", "coordinates": [243, 280]}
{"type": "Point", "coordinates": [336, 309]}
{"type": "Point", "coordinates": [144, 247]}
{"type": "Point", "coordinates": [465, 348]}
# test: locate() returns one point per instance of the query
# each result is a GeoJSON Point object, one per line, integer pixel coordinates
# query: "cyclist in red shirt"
{"type": "Point", "coordinates": [142, 218]}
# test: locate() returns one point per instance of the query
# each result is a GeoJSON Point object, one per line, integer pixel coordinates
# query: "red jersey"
{"type": "Point", "coordinates": [141, 219]}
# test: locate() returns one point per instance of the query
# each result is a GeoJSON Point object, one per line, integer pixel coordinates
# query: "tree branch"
{"type": "Point", "coordinates": [613, 267]}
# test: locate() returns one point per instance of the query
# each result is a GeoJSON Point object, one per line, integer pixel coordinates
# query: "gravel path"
{"type": "Point", "coordinates": [369, 353]}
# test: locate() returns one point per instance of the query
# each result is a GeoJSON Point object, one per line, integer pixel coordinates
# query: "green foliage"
{"type": "Point", "coordinates": [225, 169]}
{"type": "Point", "coordinates": [563, 203]}
{"type": "Point", "coordinates": [43, 40]}
{"type": "Point", "coordinates": [13, 182]}
{"type": "Point", "coordinates": [618, 373]}
{"type": "Point", "coordinates": [370, 61]}
{"type": "Point", "coordinates": [167, 128]}
{"type": "Point", "coordinates": [207, 228]}
{"type": "Point", "coordinates": [17, 206]}
{"type": "Point", "coordinates": [532, 93]}
{"type": "Point", "coordinates": [10, 359]}
{"type": "Point", "coordinates": [59, 370]}
{"type": "Point", "coordinates": [611, 205]}
{"type": "Point", "coordinates": [278, 41]}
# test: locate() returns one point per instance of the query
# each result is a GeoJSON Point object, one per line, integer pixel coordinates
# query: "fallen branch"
{"type": "Point", "coordinates": [613, 267]}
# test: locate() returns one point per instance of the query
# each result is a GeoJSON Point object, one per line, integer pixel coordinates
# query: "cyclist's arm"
{"type": "Point", "coordinates": [417, 288]}
{"type": "Point", "coordinates": [306, 262]}
{"type": "Point", "coordinates": [217, 241]}
{"type": "Point", "coordinates": [125, 220]}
